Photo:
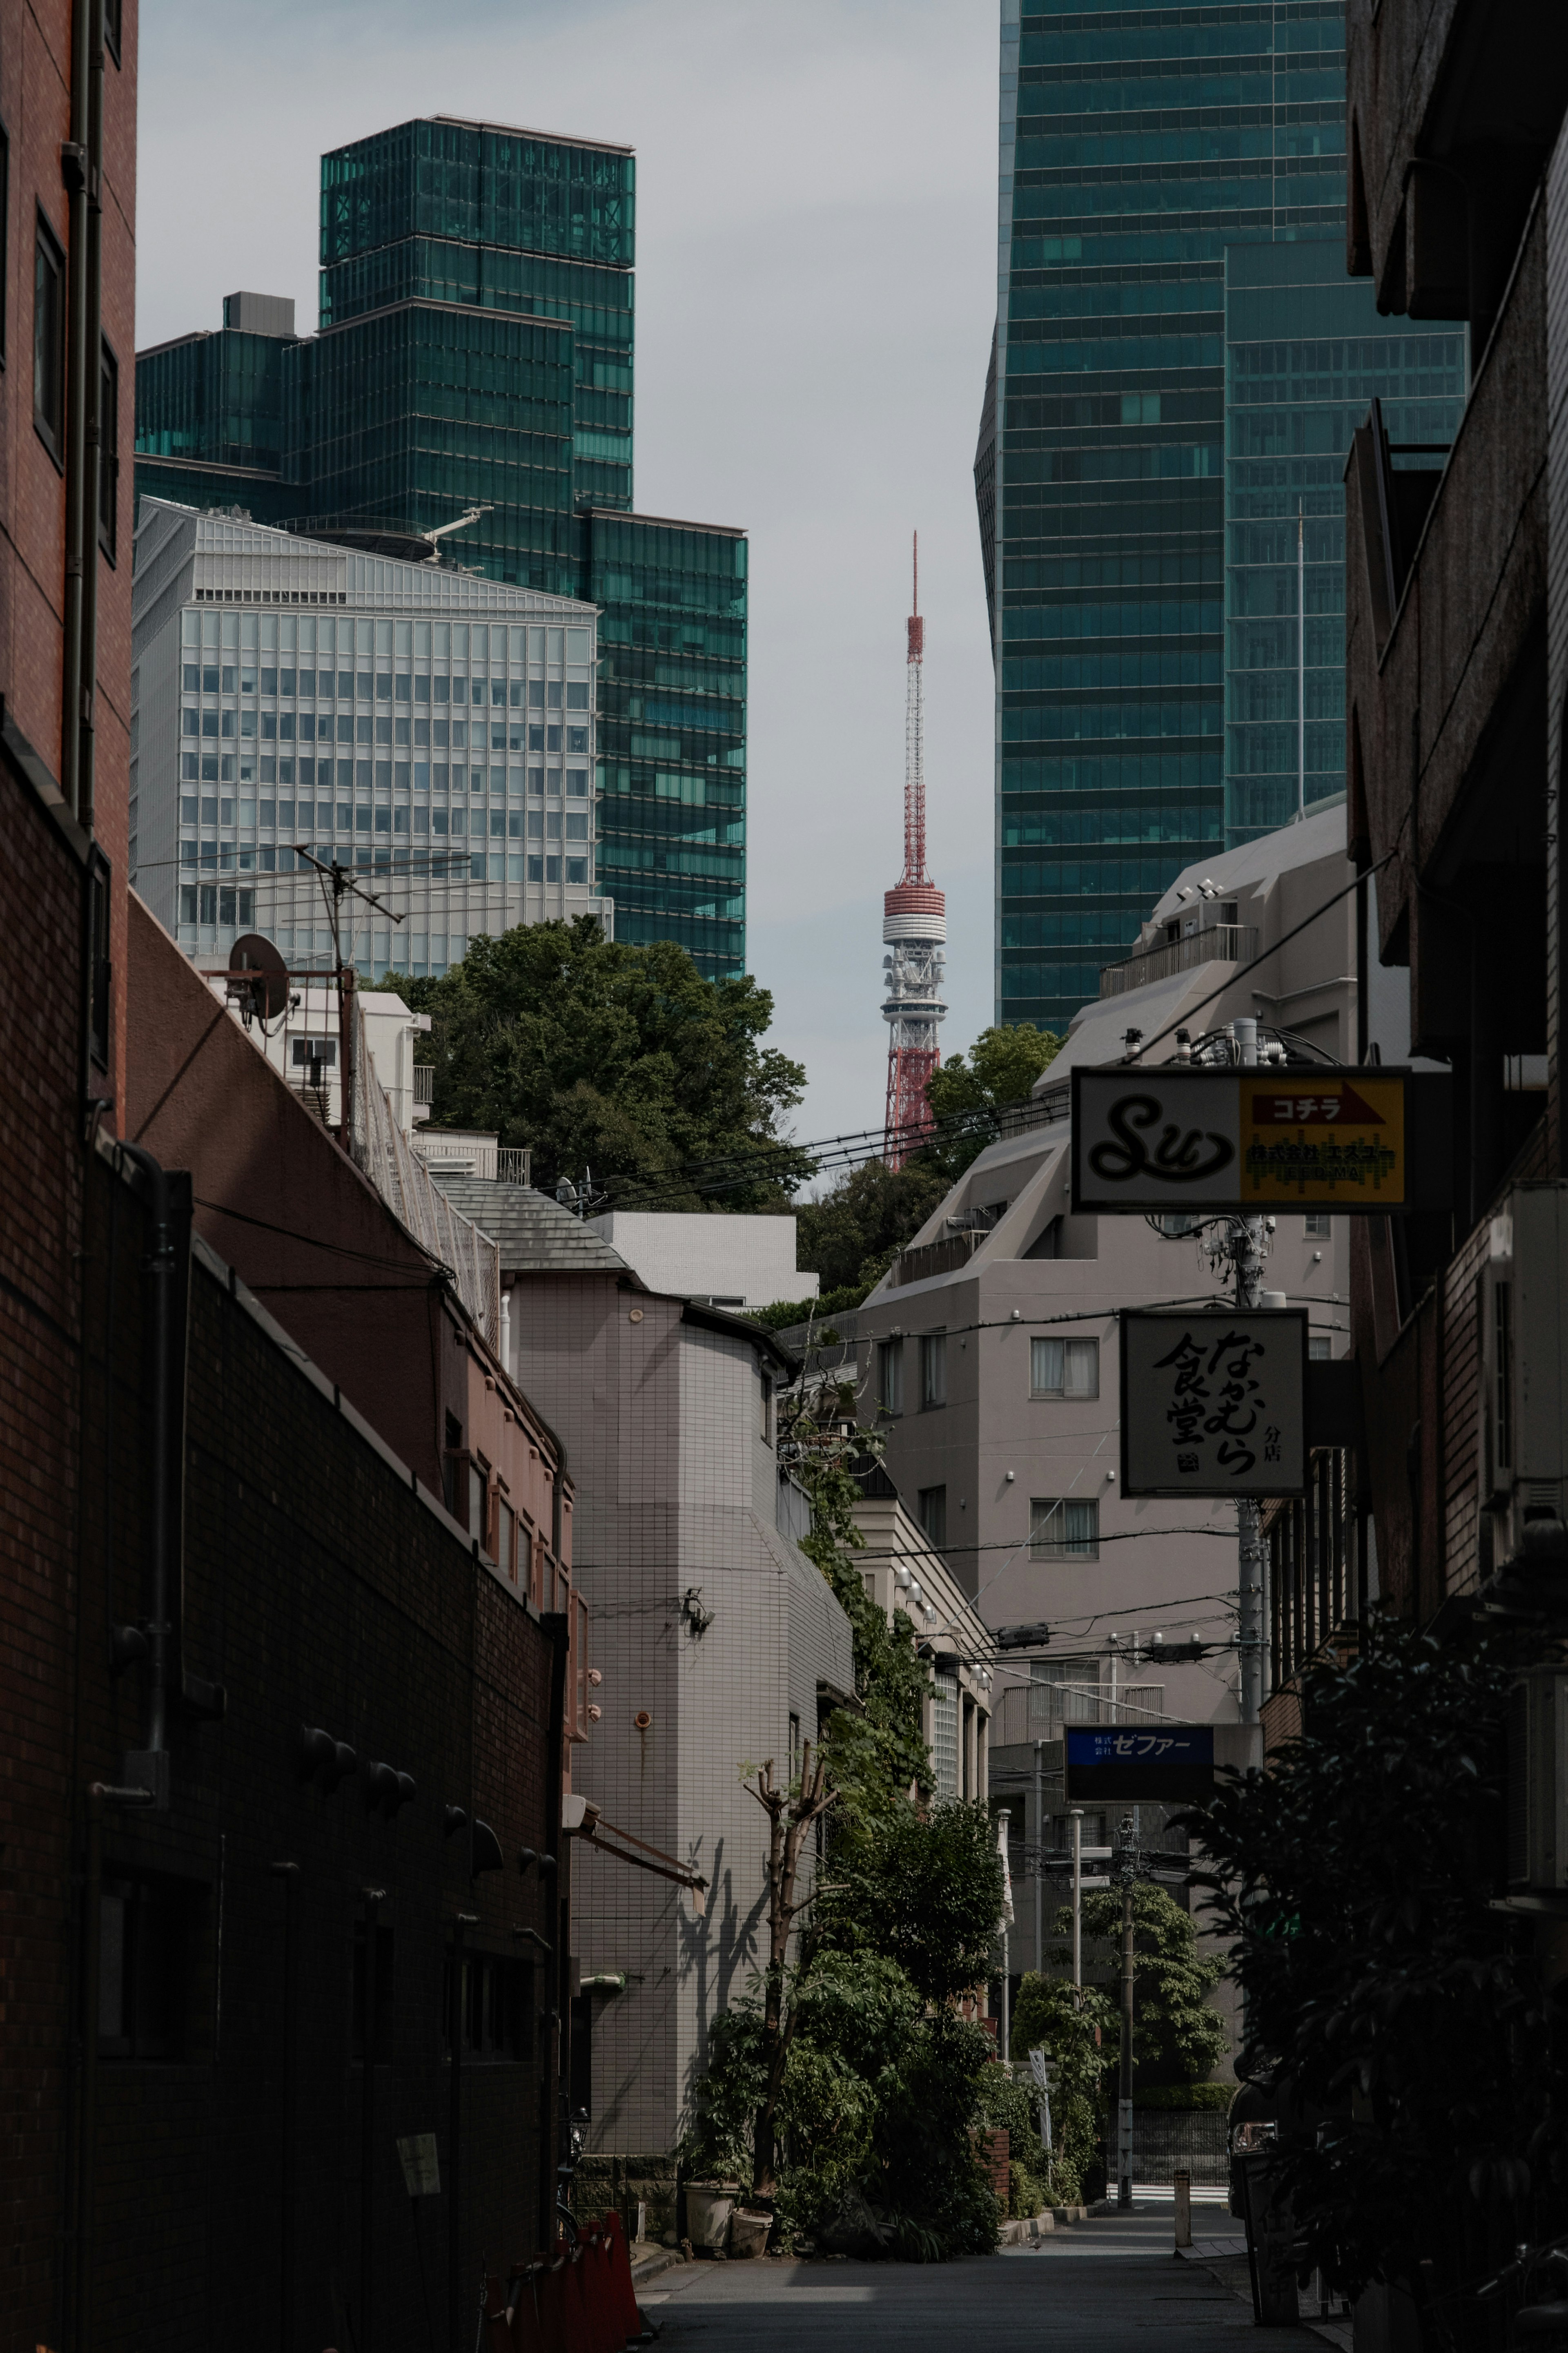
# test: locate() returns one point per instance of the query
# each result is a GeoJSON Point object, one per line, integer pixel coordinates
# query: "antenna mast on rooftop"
{"type": "Point", "coordinates": [914, 928]}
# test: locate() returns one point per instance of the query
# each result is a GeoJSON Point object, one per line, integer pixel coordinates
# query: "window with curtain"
{"type": "Point", "coordinates": [1064, 1527]}
{"type": "Point", "coordinates": [1064, 1368]}
{"type": "Point", "coordinates": [890, 1375]}
{"type": "Point", "coordinates": [933, 1369]}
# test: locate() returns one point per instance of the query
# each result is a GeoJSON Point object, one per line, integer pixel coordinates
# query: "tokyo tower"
{"type": "Point", "coordinates": [914, 928]}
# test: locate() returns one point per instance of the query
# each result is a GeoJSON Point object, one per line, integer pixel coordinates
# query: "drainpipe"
{"type": "Point", "coordinates": [100, 1795]}
{"type": "Point", "coordinates": [557, 1625]}
{"type": "Point", "coordinates": [93, 415]}
{"type": "Point", "coordinates": [455, 2136]}
{"type": "Point", "coordinates": [150, 1766]}
{"type": "Point", "coordinates": [365, 2335]}
{"type": "Point", "coordinates": [81, 161]}
{"type": "Point", "coordinates": [289, 1872]}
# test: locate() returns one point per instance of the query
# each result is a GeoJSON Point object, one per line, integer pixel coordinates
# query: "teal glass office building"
{"type": "Point", "coordinates": [1136, 144]}
{"type": "Point", "coordinates": [1305, 355]}
{"type": "Point", "coordinates": [474, 349]}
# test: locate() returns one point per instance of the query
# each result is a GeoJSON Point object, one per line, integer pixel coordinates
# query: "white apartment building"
{"type": "Point", "coordinates": [429, 733]}
{"type": "Point", "coordinates": [729, 1261]}
{"type": "Point", "coordinates": [989, 1349]}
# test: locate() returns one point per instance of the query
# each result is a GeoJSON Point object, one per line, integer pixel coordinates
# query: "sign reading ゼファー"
{"type": "Point", "coordinates": [1214, 1401]}
{"type": "Point", "coordinates": [1189, 1136]}
{"type": "Point", "coordinates": [1164, 1760]}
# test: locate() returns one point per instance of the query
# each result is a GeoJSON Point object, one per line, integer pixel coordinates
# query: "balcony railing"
{"type": "Point", "coordinates": [1221, 944]}
{"type": "Point", "coordinates": [514, 1166]}
{"type": "Point", "coordinates": [935, 1257]}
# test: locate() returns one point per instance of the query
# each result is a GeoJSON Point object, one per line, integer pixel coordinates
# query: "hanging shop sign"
{"type": "Point", "coordinates": [1164, 1760]}
{"type": "Point", "coordinates": [1214, 1401]}
{"type": "Point", "coordinates": [1188, 1137]}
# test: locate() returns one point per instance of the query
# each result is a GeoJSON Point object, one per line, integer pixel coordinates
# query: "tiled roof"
{"type": "Point", "coordinates": [535, 1234]}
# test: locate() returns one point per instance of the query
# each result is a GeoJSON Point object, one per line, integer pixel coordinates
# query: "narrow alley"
{"type": "Point", "coordinates": [1108, 2283]}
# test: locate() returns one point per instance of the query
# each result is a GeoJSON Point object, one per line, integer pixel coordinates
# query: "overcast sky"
{"type": "Point", "coordinates": [816, 283]}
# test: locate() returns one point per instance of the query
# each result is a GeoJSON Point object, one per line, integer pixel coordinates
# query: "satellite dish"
{"type": "Point", "coordinates": [251, 952]}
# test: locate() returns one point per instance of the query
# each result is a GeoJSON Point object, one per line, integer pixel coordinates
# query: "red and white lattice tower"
{"type": "Point", "coordinates": [914, 926]}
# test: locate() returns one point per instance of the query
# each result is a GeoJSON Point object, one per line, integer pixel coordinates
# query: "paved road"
{"type": "Point", "coordinates": [1111, 2284]}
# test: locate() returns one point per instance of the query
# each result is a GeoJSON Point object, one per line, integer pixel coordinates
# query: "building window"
{"type": "Point", "coordinates": [1320, 1346]}
{"type": "Point", "coordinates": [933, 1505]}
{"type": "Point", "coordinates": [98, 965]}
{"type": "Point", "coordinates": [495, 2007]}
{"type": "Point", "coordinates": [1315, 1225]}
{"type": "Point", "coordinates": [144, 1956]}
{"type": "Point", "coordinates": [1064, 1368]}
{"type": "Point", "coordinates": [381, 2022]}
{"type": "Point", "coordinates": [108, 452]}
{"type": "Point", "coordinates": [933, 1369]}
{"type": "Point", "coordinates": [944, 1732]}
{"type": "Point", "coordinates": [49, 341]}
{"type": "Point", "coordinates": [1063, 1528]}
{"type": "Point", "coordinates": [890, 1375]}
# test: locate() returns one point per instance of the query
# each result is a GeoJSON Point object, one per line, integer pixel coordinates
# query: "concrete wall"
{"type": "Point", "coordinates": [741, 1262]}
{"type": "Point", "coordinates": [663, 1422]}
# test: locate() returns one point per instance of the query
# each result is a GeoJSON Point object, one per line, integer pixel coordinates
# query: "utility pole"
{"type": "Point", "coordinates": [1126, 1871]}
{"type": "Point", "coordinates": [1039, 1860]}
{"type": "Point", "coordinates": [1248, 1249]}
{"type": "Point", "coordinates": [1075, 1816]}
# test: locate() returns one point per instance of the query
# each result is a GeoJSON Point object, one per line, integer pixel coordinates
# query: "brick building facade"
{"type": "Point", "coordinates": [1455, 611]}
{"type": "Point", "coordinates": [223, 2130]}
{"type": "Point", "coordinates": [69, 183]}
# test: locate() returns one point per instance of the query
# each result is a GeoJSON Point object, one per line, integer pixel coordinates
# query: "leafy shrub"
{"type": "Point", "coordinates": [1422, 2072]}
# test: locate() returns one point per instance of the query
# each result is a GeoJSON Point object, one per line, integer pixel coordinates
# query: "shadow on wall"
{"type": "Point", "coordinates": [723, 1953]}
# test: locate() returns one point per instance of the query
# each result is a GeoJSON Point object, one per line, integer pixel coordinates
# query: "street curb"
{"type": "Point", "coordinates": [1025, 2227]}
{"type": "Point", "coordinates": [650, 2266]}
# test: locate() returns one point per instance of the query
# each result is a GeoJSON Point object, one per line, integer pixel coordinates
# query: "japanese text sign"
{"type": "Point", "coordinates": [1191, 1137]}
{"type": "Point", "coordinates": [1214, 1401]}
{"type": "Point", "coordinates": [1157, 1760]}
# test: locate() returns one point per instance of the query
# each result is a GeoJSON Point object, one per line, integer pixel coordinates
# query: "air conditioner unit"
{"type": "Point", "coordinates": [1537, 1828]}
{"type": "Point", "coordinates": [1523, 1319]}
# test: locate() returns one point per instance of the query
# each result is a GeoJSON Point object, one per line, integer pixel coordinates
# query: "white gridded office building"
{"type": "Point", "coordinates": [431, 731]}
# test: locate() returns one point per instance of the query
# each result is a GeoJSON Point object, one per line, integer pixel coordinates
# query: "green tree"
{"type": "Point", "coordinates": [877, 1752]}
{"type": "Point", "coordinates": [851, 1235]}
{"type": "Point", "coordinates": [619, 1059]}
{"type": "Point", "coordinates": [1176, 2037]}
{"type": "Point", "coordinates": [1002, 1067]}
{"type": "Point", "coordinates": [925, 1889]}
{"type": "Point", "coordinates": [1421, 2065]}
{"type": "Point", "coordinates": [1077, 2028]}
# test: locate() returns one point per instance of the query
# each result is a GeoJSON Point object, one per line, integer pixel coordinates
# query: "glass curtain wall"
{"type": "Point", "coordinates": [672, 734]}
{"type": "Point", "coordinates": [1137, 144]}
{"type": "Point", "coordinates": [1306, 353]}
{"type": "Point", "coordinates": [476, 348]}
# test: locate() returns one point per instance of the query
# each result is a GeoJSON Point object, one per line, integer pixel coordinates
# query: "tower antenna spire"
{"type": "Point", "coordinates": [914, 926]}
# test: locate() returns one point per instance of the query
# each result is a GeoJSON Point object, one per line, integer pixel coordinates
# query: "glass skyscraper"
{"type": "Point", "coordinates": [1305, 352]}
{"type": "Point", "coordinates": [474, 349]}
{"type": "Point", "coordinates": [1136, 144]}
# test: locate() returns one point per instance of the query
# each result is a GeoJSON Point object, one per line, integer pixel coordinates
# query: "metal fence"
{"type": "Point", "coordinates": [1166, 2141]}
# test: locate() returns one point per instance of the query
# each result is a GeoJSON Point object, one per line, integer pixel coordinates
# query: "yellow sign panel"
{"type": "Point", "coordinates": [1325, 1137]}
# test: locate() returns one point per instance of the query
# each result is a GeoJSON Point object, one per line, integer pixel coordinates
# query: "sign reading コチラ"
{"type": "Point", "coordinates": [1195, 1136]}
{"type": "Point", "coordinates": [1214, 1401]}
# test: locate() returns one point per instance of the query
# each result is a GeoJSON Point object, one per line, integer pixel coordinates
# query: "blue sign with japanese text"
{"type": "Point", "coordinates": [1133, 1761]}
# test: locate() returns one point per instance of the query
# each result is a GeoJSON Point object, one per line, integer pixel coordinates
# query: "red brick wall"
{"type": "Point", "coordinates": [43, 1272]}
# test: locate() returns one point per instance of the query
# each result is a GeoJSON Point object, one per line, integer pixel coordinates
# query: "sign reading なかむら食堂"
{"type": "Point", "coordinates": [1214, 1401]}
